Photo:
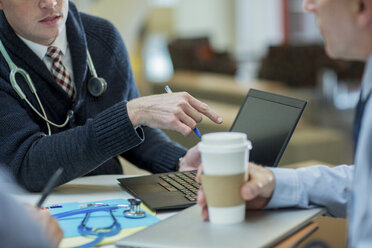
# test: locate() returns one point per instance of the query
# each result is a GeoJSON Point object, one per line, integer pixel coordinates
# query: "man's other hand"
{"type": "Point", "coordinates": [257, 191]}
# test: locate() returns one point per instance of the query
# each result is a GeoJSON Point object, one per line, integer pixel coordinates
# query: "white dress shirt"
{"type": "Point", "coordinates": [60, 42]}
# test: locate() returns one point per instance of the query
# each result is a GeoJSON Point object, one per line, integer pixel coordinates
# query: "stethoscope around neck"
{"type": "Point", "coordinates": [96, 87]}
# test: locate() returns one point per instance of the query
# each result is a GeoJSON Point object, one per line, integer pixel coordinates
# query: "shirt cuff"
{"type": "Point", "coordinates": [287, 188]}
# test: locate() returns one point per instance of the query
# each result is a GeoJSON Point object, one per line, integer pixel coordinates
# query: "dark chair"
{"type": "Point", "coordinates": [196, 54]}
{"type": "Point", "coordinates": [299, 65]}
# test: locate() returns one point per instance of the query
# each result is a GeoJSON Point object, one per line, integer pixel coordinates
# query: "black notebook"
{"type": "Point", "coordinates": [268, 120]}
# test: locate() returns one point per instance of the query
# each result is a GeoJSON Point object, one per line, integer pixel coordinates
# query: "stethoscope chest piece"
{"type": "Point", "coordinates": [134, 211]}
{"type": "Point", "coordinates": [134, 215]}
{"type": "Point", "coordinates": [97, 86]}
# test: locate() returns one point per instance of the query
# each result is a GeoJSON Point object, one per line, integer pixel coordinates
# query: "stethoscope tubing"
{"type": "Point", "coordinates": [99, 235]}
{"type": "Point", "coordinates": [84, 211]}
{"type": "Point", "coordinates": [14, 70]}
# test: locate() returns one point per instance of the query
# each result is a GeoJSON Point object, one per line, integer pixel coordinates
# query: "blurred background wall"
{"type": "Point", "coordinates": [218, 49]}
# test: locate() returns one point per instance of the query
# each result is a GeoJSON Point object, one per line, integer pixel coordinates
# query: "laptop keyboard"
{"type": "Point", "coordinates": [183, 182]}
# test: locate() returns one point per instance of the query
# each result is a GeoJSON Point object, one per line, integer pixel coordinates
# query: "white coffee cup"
{"type": "Point", "coordinates": [224, 156]}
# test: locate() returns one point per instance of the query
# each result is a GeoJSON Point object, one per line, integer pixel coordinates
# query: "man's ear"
{"type": "Point", "coordinates": [364, 15]}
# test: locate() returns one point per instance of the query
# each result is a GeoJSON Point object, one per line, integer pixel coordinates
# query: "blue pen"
{"type": "Point", "coordinates": [49, 186]}
{"type": "Point", "coordinates": [196, 130]}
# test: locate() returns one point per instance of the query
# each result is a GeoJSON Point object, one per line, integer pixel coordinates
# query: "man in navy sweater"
{"type": "Point", "coordinates": [116, 123]}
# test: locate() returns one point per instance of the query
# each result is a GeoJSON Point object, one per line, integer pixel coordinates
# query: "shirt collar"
{"type": "Point", "coordinates": [367, 79]}
{"type": "Point", "coordinates": [40, 50]}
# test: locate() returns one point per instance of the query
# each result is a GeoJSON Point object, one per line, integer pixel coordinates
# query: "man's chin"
{"type": "Point", "coordinates": [345, 55]}
{"type": "Point", "coordinates": [333, 54]}
{"type": "Point", "coordinates": [46, 41]}
{"type": "Point", "coordinates": [48, 37]}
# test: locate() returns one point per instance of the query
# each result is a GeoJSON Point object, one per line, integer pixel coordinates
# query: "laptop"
{"type": "Point", "coordinates": [269, 121]}
{"type": "Point", "coordinates": [262, 228]}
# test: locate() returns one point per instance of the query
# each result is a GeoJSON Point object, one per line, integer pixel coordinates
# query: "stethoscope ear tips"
{"type": "Point", "coordinates": [97, 86]}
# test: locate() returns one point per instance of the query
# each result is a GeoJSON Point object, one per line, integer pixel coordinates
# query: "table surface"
{"type": "Point", "coordinates": [92, 188]}
{"type": "Point", "coordinates": [85, 189]}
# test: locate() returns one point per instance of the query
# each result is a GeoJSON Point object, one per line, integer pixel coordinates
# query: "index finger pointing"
{"type": "Point", "coordinates": [205, 110]}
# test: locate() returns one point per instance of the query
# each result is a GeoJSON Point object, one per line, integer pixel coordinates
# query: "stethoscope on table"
{"type": "Point", "coordinates": [96, 87]}
{"type": "Point", "coordinates": [133, 211]}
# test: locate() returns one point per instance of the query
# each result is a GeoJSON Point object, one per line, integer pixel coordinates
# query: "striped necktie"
{"type": "Point", "coordinates": [59, 71]}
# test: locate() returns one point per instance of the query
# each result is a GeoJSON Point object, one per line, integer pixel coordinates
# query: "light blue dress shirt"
{"type": "Point", "coordinates": [345, 191]}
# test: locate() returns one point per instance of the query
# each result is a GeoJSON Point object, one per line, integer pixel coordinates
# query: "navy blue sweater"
{"type": "Point", "coordinates": [100, 129]}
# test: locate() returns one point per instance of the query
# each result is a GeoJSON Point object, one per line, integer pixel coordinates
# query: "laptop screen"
{"type": "Point", "coordinates": [269, 121]}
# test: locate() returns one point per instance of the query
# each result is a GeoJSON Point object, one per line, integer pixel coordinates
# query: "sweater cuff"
{"type": "Point", "coordinates": [114, 131]}
{"type": "Point", "coordinates": [169, 158]}
{"type": "Point", "coordinates": [287, 188]}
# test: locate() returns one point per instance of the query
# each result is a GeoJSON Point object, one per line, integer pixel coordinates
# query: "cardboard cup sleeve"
{"type": "Point", "coordinates": [223, 191]}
